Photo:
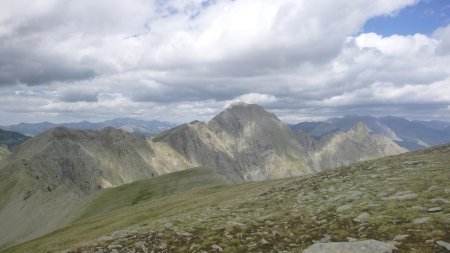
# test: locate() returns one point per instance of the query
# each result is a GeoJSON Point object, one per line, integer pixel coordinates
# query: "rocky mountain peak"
{"type": "Point", "coordinates": [240, 115]}
{"type": "Point", "coordinates": [360, 128]}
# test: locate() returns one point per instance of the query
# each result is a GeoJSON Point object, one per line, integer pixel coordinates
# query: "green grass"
{"type": "Point", "coordinates": [186, 214]}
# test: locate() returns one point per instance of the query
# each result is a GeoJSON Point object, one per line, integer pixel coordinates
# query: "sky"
{"type": "Point", "coordinates": [181, 60]}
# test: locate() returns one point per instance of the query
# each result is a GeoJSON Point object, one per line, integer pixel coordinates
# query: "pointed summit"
{"type": "Point", "coordinates": [360, 128]}
{"type": "Point", "coordinates": [238, 115]}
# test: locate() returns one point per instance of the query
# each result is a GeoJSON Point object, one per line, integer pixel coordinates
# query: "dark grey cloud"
{"type": "Point", "coordinates": [78, 96]}
{"type": "Point", "coordinates": [24, 64]}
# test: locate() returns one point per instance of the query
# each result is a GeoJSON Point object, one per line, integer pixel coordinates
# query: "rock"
{"type": "Point", "coordinates": [167, 225]}
{"type": "Point", "coordinates": [163, 245]}
{"type": "Point", "coordinates": [264, 241]}
{"type": "Point", "coordinates": [433, 188]}
{"type": "Point", "coordinates": [216, 247]}
{"type": "Point", "coordinates": [401, 196]}
{"type": "Point", "coordinates": [368, 246]}
{"type": "Point", "coordinates": [422, 220]}
{"type": "Point", "coordinates": [363, 217]}
{"type": "Point", "coordinates": [440, 200]}
{"type": "Point", "coordinates": [343, 208]}
{"type": "Point", "coordinates": [400, 238]}
{"type": "Point", "coordinates": [434, 209]}
{"type": "Point", "coordinates": [419, 208]}
{"type": "Point", "coordinates": [355, 195]}
{"type": "Point", "coordinates": [326, 238]}
{"type": "Point", "coordinates": [112, 246]}
{"type": "Point", "coordinates": [351, 239]}
{"type": "Point", "coordinates": [119, 234]}
{"type": "Point", "coordinates": [443, 244]}
{"type": "Point", "coordinates": [142, 245]}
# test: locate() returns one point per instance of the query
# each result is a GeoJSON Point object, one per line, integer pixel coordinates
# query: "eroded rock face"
{"type": "Point", "coordinates": [368, 246]}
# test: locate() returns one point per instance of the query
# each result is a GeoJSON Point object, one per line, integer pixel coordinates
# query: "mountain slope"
{"type": "Point", "coordinates": [381, 199]}
{"type": "Point", "coordinates": [11, 139]}
{"type": "Point", "coordinates": [58, 169]}
{"type": "Point", "coordinates": [343, 148]}
{"type": "Point", "coordinates": [4, 152]}
{"type": "Point", "coordinates": [244, 142]}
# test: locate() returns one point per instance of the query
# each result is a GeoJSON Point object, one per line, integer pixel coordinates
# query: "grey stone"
{"type": "Point", "coordinates": [264, 241]}
{"type": "Point", "coordinates": [368, 246]}
{"type": "Point", "coordinates": [112, 246]}
{"type": "Point", "coordinates": [343, 208]}
{"type": "Point", "coordinates": [119, 234]}
{"type": "Point", "coordinates": [400, 238]}
{"type": "Point", "coordinates": [443, 244]}
{"type": "Point", "coordinates": [351, 239]}
{"type": "Point", "coordinates": [363, 217]}
{"type": "Point", "coordinates": [440, 200]}
{"type": "Point", "coordinates": [422, 220]}
{"type": "Point", "coordinates": [216, 247]}
{"type": "Point", "coordinates": [402, 196]}
{"type": "Point", "coordinates": [419, 208]}
{"type": "Point", "coordinates": [434, 209]}
{"type": "Point", "coordinates": [326, 238]}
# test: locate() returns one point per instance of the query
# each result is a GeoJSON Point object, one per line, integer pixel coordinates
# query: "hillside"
{"type": "Point", "coordinates": [11, 139]}
{"type": "Point", "coordinates": [57, 170]}
{"type": "Point", "coordinates": [358, 144]}
{"type": "Point", "coordinates": [4, 152]}
{"type": "Point", "coordinates": [402, 200]}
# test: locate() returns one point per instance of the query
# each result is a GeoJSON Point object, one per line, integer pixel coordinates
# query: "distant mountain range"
{"type": "Point", "coordinates": [411, 135]}
{"type": "Point", "coordinates": [134, 126]}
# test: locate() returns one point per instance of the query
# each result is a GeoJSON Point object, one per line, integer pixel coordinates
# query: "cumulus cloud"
{"type": "Point", "coordinates": [187, 59]}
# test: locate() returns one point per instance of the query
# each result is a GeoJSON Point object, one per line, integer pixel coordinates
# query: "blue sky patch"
{"type": "Point", "coordinates": [424, 17]}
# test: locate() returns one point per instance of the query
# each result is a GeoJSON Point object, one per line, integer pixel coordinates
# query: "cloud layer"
{"type": "Point", "coordinates": [183, 60]}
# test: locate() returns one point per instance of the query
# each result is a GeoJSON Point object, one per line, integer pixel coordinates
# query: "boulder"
{"type": "Point", "coordinates": [368, 246]}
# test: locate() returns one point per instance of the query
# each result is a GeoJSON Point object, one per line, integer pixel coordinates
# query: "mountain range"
{"type": "Point", "coordinates": [61, 170]}
{"type": "Point", "coordinates": [57, 172]}
{"type": "Point", "coordinates": [135, 126]}
{"type": "Point", "coordinates": [412, 135]}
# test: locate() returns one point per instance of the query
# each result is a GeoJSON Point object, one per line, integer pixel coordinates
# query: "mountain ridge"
{"type": "Point", "coordinates": [62, 167]}
{"type": "Point", "coordinates": [409, 134]}
{"type": "Point", "coordinates": [136, 126]}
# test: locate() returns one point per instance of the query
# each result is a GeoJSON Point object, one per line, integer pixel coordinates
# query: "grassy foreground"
{"type": "Point", "coordinates": [405, 196]}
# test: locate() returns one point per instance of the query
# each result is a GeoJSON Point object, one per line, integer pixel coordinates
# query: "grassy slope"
{"type": "Point", "coordinates": [289, 214]}
{"type": "Point", "coordinates": [4, 152]}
